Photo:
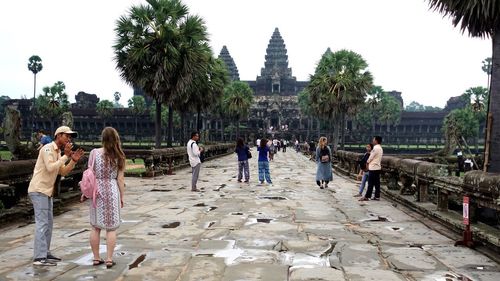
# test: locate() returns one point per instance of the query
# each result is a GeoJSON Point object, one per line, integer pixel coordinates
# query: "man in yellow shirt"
{"type": "Point", "coordinates": [48, 165]}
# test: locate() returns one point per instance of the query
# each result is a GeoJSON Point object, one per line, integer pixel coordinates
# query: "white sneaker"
{"type": "Point", "coordinates": [44, 262]}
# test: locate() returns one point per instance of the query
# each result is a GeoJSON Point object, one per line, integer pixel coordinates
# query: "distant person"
{"type": "Point", "coordinates": [272, 149]}
{"type": "Point", "coordinates": [324, 163]}
{"type": "Point", "coordinates": [263, 162]}
{"type": "Point", "coordinates": [363, 170]}
{"type": "Point", "coordinates": [48, 165]}
{"type": "Point", "coordinates": [374, 170]}
{"type": "Point", "coordinates": [257, 142]}
{"type": "Point", "coordinates": [297, 145]}
{"type": "Point", "coordinates": [109, 170]}
{"type": "Point", "coordinates": [242, 150]}
{"type": "Point", "coordinates": [194, 153]}
{"type": "Point", "coordinates": [285, 143]}
{"type": "Point", "coordinates": [42, 138]}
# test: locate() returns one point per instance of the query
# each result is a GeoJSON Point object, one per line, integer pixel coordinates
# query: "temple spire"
{"type": "Point", "coordinates": [276, 63]}
{"type": "Point", "coordinates": [231, 66]}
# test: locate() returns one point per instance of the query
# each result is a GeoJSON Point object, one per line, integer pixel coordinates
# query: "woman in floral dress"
{"type": "Point", "coordinates": [109, 167]}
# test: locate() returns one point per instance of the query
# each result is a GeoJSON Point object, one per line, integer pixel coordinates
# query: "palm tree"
{"type": "Point", "coordinates": [339, 87]}
{"type": "Point", "coordinates": [138, 106]}
{"type": "Point", "coordinates": [481, 19]}
{"type": "Point", "coordinates": [104, 109]}
{"type": "Point", "coordinates": [35, 66]}
{"type": "Point", "coordinates": [117, 96]}
{"type": "Point", "coordinates": [160, 47]}
{"type": "Point", "coordinates": [238, 97]}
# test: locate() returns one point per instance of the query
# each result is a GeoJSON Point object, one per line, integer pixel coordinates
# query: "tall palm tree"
{"type": "Point", "coordinates": [138, 106]}
{"type": "Point", "coordinates": [35, 66]}
{"type": "Point", "coordinates": [160, 47]}
{"type": "Point", "coordinates": [238, 97]}
{"type": "Point", "coordinates": [104, 109]}
{"type": "Point", "coordinates": [339, 87]}
{"type": "Point", "coordinates": [481, 19]}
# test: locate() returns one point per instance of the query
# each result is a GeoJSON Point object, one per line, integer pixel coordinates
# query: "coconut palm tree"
{"type": "Point", "coordinates": [160, 47]}
{"type": "Point", "coordinates": [104, 109]}
{"type": "Point", "coordinates": [238, 97]}
{"type": "Point", "coordinates": [481, 19]}
{"type": "Point", "coordinates": [138, 106]}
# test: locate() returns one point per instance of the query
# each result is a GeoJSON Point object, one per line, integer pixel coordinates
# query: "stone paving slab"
{"type": "Point", "coordinates": [291, 230]}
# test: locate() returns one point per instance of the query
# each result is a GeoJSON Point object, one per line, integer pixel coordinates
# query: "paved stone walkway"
{"type": "Point", "coordinates": [236, 231]}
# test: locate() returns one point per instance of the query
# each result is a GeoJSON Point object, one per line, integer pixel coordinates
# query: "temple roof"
{"type": "Point", "coordinates": [231, 66]}
{"type": "Point", "coordinates": [276, 58]}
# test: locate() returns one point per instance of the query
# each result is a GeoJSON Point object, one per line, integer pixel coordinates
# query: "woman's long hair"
{"type": "Point", "coordinates": [113, 152]}
{"type": "Point", "coordinates": [263, 142]}
{"type": "Point", "coordinates": [322, 142]}
{"type": "Point", "coordinates": [239, 143]}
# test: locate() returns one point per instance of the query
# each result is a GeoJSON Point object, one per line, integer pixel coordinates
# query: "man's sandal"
{"type": "Point", "coordinates": [97, 262]}
{"type": "Point", "coordinates": [110, 264]}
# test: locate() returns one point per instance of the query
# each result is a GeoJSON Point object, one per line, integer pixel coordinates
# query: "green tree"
{"type": "Point", "coordinates": [160, 48]}
{"type": "Point", "coordinates": [104, 109]}
{"type": "Point", "coordinates": [238, 97]}
{"type": "Point", "coordinates": [388, 111]}
{"type": "Point", "coordinates": [481, 19]}
{"type": "Point", "coordinates": [2, 109]}
{"type": "Point", "coordinates": [35, 66]}
{"type": "Point", "coordinates": [415, 107]}
{"type": "Point", "coordinates": [477, 100]}
{"type": "Point", "coordinates": [53, 103]}
{"type": "Point", "coordinates": [458, 124]}
{"type": "Point", "coordinates": [487, 68]}
{"type": "Point", "coordinates": [306, 109]}
{"type": "Point", "coordinates": [339, 87]}
{"type": "Point", "coordinates": [138, 106]}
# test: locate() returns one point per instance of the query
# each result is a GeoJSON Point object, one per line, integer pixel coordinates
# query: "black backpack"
{"type": "Point", "coordinates": [202, 154]}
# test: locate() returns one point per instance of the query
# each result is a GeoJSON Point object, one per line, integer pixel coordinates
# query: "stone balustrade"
{"type": "Point", "coordinates": [16, 175]}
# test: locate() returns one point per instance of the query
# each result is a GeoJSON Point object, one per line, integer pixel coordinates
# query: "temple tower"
{"type": "Point", "coordinates": [231, 66]}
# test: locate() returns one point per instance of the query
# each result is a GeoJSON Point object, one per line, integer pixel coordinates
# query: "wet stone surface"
{"type": "Point", "coordinates": [291, 230]}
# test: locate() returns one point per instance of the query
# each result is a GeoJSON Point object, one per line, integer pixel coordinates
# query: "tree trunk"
{"type": "Point", "coordinates": [158, 125]}
{"type": "Point", "coordinates": [33, 106]}
{"type": "Point", "coordinates": [136, 126]}
{"type": "Point", "coordinates": [342, 141]}
{"type": "Point", "coordinates": [309, 124]}
{"type": "Point", "coordinates": [170, 125]}
{"type": "Point", "coordinates": [492, 143]}
{"type": "Point", "coordinates": [237, 126]}
{"type": "Point", "coordinates": [183, 126]}
{"type": "Point", "coordinates": [222, 129]}
{"type": "Point", "coordinates": [336, 135]}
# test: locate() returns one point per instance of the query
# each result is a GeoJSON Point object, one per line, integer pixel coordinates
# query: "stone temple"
{"type": "Point", "coordinates": [275, 112]}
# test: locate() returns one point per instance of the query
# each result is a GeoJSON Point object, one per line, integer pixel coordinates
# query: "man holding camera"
{"type": "Point", "coordinates": [48, 165]}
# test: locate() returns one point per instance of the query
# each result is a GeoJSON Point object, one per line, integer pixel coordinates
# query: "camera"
{"type": "Point", "coordinates": [75, 147]}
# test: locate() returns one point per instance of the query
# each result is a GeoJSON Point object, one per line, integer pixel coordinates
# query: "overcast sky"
{"type": "Point", "coordinates": [408, 47]}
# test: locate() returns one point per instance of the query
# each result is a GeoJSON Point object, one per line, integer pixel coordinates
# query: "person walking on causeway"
{"type": "Point", "coordinates": [243, 151]}
{"type": "Point", "coordinates": [324, 161]}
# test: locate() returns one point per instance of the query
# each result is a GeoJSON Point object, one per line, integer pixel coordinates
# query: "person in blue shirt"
{"type": "Point", "coordinates": [264, 162]}
{"type": "Point", "coordinates": [43, 138]}
{"type": "Point", "coordinates": [242, 150]}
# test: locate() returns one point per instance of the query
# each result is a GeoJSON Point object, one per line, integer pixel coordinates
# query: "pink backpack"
{"type": "Point", "coordinates": [88, 184]}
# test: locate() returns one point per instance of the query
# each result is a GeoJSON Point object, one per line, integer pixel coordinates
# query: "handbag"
{"type": "Point", "coordinates": [325, 159]}
{"type": "Point", "coordinates": [88, 184]}
{"type": "Point", "coordinates": [249, 154]}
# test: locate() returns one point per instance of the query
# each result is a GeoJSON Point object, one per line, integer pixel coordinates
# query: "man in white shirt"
{"type": "Point", "coordinates": [194, 153]}
{"type": "Point", "coordinates": [374, 168]}
{"type": "Point", "coordinates": [257, 142]}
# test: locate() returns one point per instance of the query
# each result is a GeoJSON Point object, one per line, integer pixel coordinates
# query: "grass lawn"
{"type": "Point", "coordinates": [135, 167]}
{"type": "Point", "coordinates": [6, 155]}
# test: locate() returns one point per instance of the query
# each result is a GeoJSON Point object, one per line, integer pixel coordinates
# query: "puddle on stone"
{"type": "Point", "coordinates": [174, 208]}
{"type": "Point", "coordinates": [394, 228]}
{"type": "Point", "coordinates": [375, 217]}
{"type": "Point", "coordinates": [87, 258]}
{"type": "Point", "coordinates": [200, 205]}
{"type": "Point", "coordinates": [236, 214]}
{"type": "Point", "coordinates": [205, 255]}
{"type": "Point", "coordinates": [130, 221]}
{"type": "Point", "coordinates": [300, 260]}
{"type": "Point", "coordinates": [171, 225]}
{"type": "Point", "coordinates": [137, 262]}
{"type": "Point", "coordinates": [264, 220]}
{"type": "Point", "coordinates": [209, 224]}
{"type": "Point", "coordinates": [211, 209]}
{"type": "Point", "coordinates": [273, 197]}
{"type": "Point", "coordinates": [160, 190]}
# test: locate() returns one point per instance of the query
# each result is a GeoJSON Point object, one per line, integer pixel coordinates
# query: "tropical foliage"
{"type": "Point", "coordinates": [104, 109]}
{"type": "Point", "coordinates": [161, 48]}
{"type": "Point", "coordinates": [481, 19]}
{"type": "Point", "coordinates": [339, 87]}
{"type": "Point", "coordinates": [417, 107]}
{"type": "Point", "coordinates": [238, 97]}
{"type": "Point", "coordinates": [53, 103]}
{"type": "Point", "coordinates": [138, 106]}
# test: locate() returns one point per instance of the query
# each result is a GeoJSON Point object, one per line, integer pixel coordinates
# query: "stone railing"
{"type": "Point", "coordinates": [165, 160]}
{"type": "Point", "coordinates": [417, 183]}
{"type": "Point", "coordinates": [15, 176]}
